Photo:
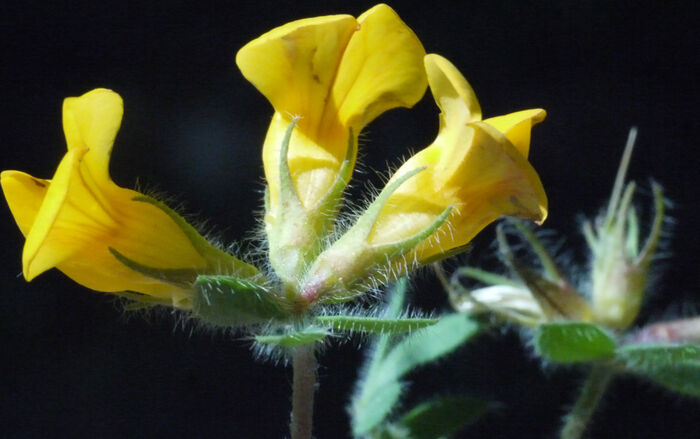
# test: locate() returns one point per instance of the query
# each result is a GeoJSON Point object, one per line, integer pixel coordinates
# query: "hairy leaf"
{"type": "Point", "coordinates": [374, 324]}
{"type": "Point", "coordinates": [573, 342]}
{"type": "Point", "coordinates": [645, 357]}
{"type": "Point", "coordinates": [442, 417]}
{"type": "Point", "coordinates": [681, 377]}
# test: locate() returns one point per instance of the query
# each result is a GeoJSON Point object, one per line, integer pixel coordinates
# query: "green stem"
{"type": "Point", "coordinates": [591, 393]}
{"type": "Point", "coordinates": [303, 388]}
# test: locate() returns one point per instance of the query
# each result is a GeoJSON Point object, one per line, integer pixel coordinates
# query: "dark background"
{"type": "Point", "coordinates": [76, 365]}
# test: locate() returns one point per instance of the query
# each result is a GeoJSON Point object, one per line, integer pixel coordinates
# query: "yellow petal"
{"type": "Point", "coordinates": [144, 234]}
{"type": "Point", "coordinates": [92, 121]}
{"type": "Point", "coordinates": [24, 195]}
{"type": "Point", "coordinates": [517, 127]}
{"type": "Point", "coordinates": [451, 91]}
{"type": "Point", "coordinates": [294, 65]}
{"type": "Point", "coordinates": [36, 257]}
{"type": "Point", "coordinates": [381, 69]}
{"type": "Point", "coordinates": [500, 177]}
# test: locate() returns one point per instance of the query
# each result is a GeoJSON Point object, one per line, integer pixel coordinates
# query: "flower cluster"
{"type": "Point", "coordinates": [326, 78]}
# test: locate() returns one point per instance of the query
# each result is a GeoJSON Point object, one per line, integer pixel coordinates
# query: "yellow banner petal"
{"type": "Point", "coordinates": [92, 121]}
{"type": "Point", "coordinates": [380, 70]}
{"type": "Point", "coordinates": [451, 91]}
{"type": "Point", "coordinates": [295, 65]}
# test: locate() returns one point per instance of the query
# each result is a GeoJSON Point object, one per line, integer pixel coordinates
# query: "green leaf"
{"type": "Point", "coordinates": [397, 297]}
{"type": "Point", "coordinates": [676, 367]}
{"type": "Point", "coordinates": [428, 345]}
{"type": "Point", "coordinates": [294, 339]}
{"type": "Point", "coordinates": [573, 342]}
{"type": "Point", "coordinates": [370, 405]}
{"type": "Point", "coordinates": [647, 357]}
{"type": "Point", "coordinates": [442, 417]}
{"type": "Point", "coordinates": [681, 377]}
{"type": "Point", "coordinates": [229, 301]}
{"type": "Point", "coordinates": [374, 324]}
{"type": "Point", "coordinates": [369, 411]}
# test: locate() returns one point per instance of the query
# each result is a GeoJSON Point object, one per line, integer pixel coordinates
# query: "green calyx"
{"type": "Point", "coordinates": [233, 302]}
{"type": "Point", "coordinates": [296, 232]}
{"type": "Point", "coordinates": [351, 265]}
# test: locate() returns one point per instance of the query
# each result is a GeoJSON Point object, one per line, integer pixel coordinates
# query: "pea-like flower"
{"type": "Point", "coordinates": [332, 75]}
{"type": "Point", "coordinates": [437, 201]}
{"type": "Point", "coordinates": [103, 236]}
{"type": "Point", "coordinates": [477, 168]}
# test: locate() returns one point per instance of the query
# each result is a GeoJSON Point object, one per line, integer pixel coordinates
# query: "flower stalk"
{"type": "Point", "coordinates": [304, 367]}
{"type": "Point", "coordinates": [588, 400]}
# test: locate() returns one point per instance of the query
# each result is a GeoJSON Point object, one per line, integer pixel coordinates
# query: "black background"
{"type": "Point", "coordinates": [76, 365]}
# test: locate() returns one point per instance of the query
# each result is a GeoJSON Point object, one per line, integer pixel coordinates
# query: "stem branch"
{"type": "Point", "coordinates": [303, 388]}
{"type": "Point", "coordinates": [592, 391]}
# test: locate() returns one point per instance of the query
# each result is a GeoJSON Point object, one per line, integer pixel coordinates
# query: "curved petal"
{"type": "Point", "coordinates": [92, 121]}
{"type": "Point", "coordinates": [36, 256]}
{"type": "Point", "coordinates": [381, 69]}
{"type": "Point", "coordinates": [24, 195]}
{"type": "Point", "coordinates": [295, 65]}
{"type": "Point", "coordinates": [518, 126]}
{"type": "Point", "coordinates": [451, 91]}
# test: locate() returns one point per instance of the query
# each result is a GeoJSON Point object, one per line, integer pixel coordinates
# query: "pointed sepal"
{"type": "Point", "coordinates": [374, 325]}
{"type": "Point", "coordinates": [294, 338]}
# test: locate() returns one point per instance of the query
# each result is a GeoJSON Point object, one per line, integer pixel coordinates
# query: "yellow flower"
{"type": "Point", "coordinates": [478, 168]}
{"type": "Point", "coordinates": [438, 200]}
{"type": "Point", "coordinates": [331, 75]}
{"type": "Point", "coordinates": [105, 237]}
{"type": "Point", "coordinates": [336, 73]}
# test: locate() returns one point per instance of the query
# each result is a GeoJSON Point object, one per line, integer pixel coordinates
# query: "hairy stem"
{"type": "Point", "coordinates": [303, 389]}
{"type": "Point", "coordinates": [592, 391]}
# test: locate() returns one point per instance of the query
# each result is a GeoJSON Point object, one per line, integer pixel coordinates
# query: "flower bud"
{"type": "Point", "coordinates": [620, 265]}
